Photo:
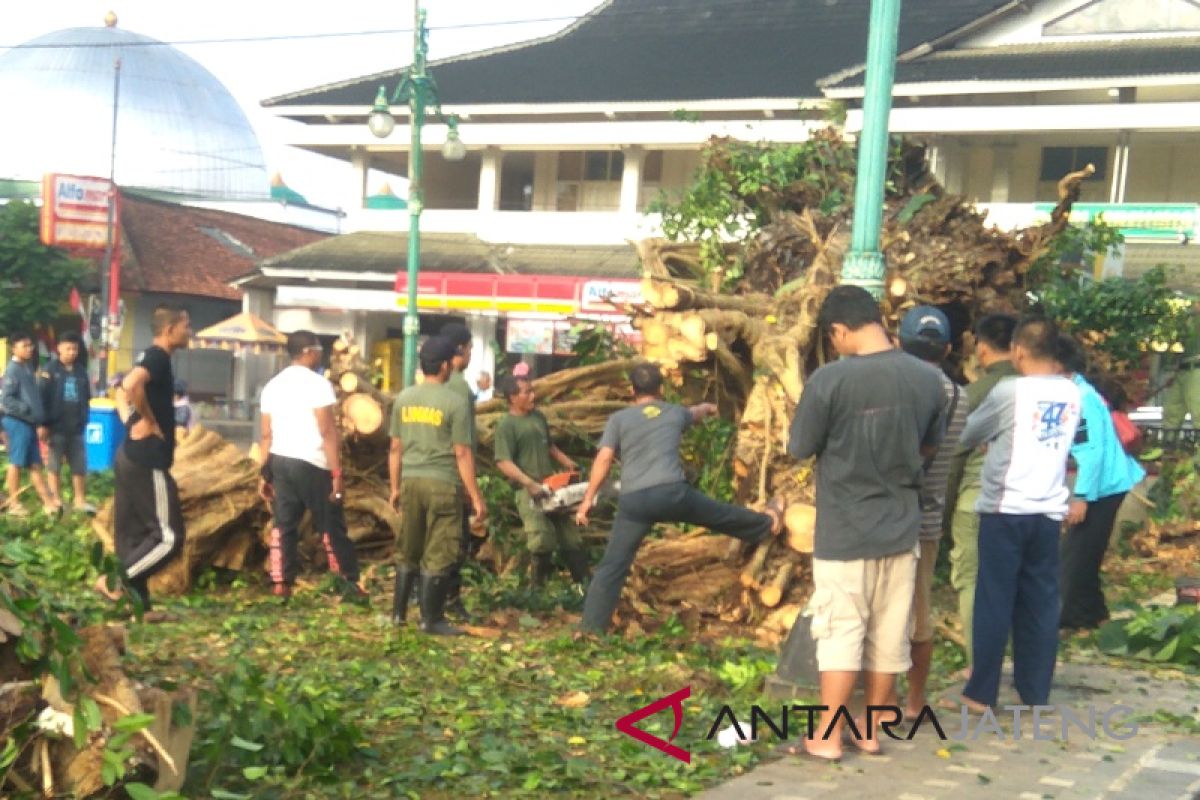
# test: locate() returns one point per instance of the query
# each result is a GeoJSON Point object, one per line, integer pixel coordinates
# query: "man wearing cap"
{"type": "Point", "coordinates": [430, 463]}
{"type": "Point", "coordinates": [302, 468]}
{"type": "Point", "coordinates": [925, 334]}
{"type": "Point", "coordinates": [459, 336]}
{"type": "Point", "coordinates": [526, 456]}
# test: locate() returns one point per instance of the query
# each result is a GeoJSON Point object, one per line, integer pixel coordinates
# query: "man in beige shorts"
{"type": "Point", "coordinates": [871, 419]}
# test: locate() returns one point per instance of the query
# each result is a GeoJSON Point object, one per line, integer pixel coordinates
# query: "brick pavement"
{"type": "Point", "coordinates": [1157, 763]}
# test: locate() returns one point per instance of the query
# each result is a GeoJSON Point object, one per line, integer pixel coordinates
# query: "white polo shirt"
{"type": "Point", "coordinates": [290, 398]}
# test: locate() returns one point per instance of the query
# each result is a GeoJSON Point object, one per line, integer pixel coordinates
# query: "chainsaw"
{"type": "Point", "coordinates": [565, 495]}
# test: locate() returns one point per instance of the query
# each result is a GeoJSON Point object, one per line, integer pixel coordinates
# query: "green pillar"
{"type": "Point", "coordinates": [864, 264]}
{"type": "Point", "coordinates": [416, 103]}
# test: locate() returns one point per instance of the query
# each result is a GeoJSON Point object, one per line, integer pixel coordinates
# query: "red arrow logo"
{"type": "Point", "coordinates": [674, 701]}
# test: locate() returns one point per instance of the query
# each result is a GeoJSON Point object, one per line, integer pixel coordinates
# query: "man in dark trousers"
{"type": "Point", "coordinates": [146, 512]}
{"type": "Point", "coordinates": [1028, 424]}
{"type": "Point", "coordinates": [430, 464]}
{"type": "Point", "coordinates": [872, 419]}
{"type": "Point", "coordinates": [460, 336]}
{"type": "Point", "coordinates": [646, 437]}
{"type": "Point", "coordinates": [302, 468]}
{"type": "Point", "coordinates": [67, 393]}
{"type": "Point", "coordinates": [24, 424]}
{"type": "Point", "coordinates": [526, 456]}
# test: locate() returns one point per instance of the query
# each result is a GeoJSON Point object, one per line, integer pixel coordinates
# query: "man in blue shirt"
{"type": "Point", "coordinates": [24, 424]}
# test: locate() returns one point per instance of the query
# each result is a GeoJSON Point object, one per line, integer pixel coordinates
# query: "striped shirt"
{"type": "Point", "coordinates": [937, 471]}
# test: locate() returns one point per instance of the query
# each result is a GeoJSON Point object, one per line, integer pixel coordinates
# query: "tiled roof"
{"type": "Point", "coordinates": [1058, 60]}
{"type": "Point", "coordinates": [178, 249]}
{"type": "Point", "coordinates": [386, 253]}
{"type": "Point", "coordinates": [647, 50]}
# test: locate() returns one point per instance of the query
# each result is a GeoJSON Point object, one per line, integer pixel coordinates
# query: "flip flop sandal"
{"type": "Point", "coordinates": [847, 737]}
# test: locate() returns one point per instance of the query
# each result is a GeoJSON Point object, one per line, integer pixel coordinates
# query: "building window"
{"type": "Point", "coordinates": [1058, 161]}
{"type": "Point", "coordinates": [590, 181]}
{"type": "Point", "coordinates": [1108, 17]}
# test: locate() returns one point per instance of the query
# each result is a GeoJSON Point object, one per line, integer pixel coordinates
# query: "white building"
{"type": "Point", "coordinates": [569, 137]}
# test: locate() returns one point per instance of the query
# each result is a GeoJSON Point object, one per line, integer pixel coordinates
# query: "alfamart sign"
{"type": "Point", "coordinates": [1146, 221]}
{"type": "Point", "coordinates": [75, 211]}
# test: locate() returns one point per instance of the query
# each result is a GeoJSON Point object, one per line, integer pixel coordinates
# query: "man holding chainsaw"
{"type": "Point", "coordinates": [526, 456]}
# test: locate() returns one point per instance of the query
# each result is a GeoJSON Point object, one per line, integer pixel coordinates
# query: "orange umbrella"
{"type": "Point", "coordinates": [242, 332]}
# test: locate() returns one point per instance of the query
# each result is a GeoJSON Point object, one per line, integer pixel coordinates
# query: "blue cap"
{"type": "Point", "coordinates": [925, 323]}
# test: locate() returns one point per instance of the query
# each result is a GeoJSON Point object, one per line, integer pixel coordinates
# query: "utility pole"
{"type": "Point", "coordinates": [108, 298]}
{"type": "Point", "coordinates": [864, 265]}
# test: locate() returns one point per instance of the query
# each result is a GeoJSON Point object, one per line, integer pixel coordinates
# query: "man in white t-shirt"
{"type": "Point", "coordinates": [302, 467]}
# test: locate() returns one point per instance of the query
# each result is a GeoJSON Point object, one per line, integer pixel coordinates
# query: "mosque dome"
{"type": "Point", "coordinates": [179, 130]}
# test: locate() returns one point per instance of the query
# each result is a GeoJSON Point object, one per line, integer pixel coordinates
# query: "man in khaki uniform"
{"type": "Point", "coordinates": [1182, 395]}
{"type": "Point", "coordinates": [429, 460]}
{"type": "Point", "coordinates": [993, 338]}
{"type": "Point", "coordinates": [460, 336]}
{"type": "Point", "coordinates": [526, 456]}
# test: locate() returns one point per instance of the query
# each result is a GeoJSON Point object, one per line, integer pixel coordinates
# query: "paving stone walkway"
{"type": "Point", "coordinates": [1157, 763]}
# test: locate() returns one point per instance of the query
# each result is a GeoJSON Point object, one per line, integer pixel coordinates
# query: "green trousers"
{"type": "Point", "coordinates": [964, 558]}
{"type": "Point", "coordinates": [545, 533]}
{"type": "Point", "coordinates": [1182, 397]}
{"type": "Point", "coordinates": [430, 524]}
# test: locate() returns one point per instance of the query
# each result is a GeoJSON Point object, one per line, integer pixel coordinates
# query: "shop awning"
{"type": "Point", "coordinates": [517, 294]}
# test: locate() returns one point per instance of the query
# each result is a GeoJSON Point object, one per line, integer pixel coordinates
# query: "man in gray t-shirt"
{"type": "Point", "coordinates": [871, 420]}
{"type": "Point", "coordinates": [646, 437]}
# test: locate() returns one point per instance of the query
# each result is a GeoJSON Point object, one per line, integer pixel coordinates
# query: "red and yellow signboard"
{"type": "Point", "coordinates": [75, 211]}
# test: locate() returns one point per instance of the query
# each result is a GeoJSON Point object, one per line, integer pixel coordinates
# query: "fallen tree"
{"type": "Point", "coordinates": [745, 313]}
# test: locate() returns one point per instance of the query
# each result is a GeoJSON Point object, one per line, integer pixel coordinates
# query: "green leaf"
{"type": "Point", "coordinates": [253, 773]}
{"type": "Point", "coordinates": [242, 744]}
{"type": "Point", "coordinates": [221, 794]}
{"type": "Point", "coordinates": [140, 791]}
{"type": "Point", "coordinates": [133, 722]}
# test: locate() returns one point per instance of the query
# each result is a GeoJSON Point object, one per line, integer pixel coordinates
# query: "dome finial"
{"type": "Point", "coordinates": [110, 19]}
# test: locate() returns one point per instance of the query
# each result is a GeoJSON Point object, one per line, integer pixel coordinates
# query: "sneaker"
{"type": "Point", "coordinates": [16, 510]}
{"type": "Point", "coordinates": [84, 508]}
{"type": "Point", "coordinates": [53, 511]}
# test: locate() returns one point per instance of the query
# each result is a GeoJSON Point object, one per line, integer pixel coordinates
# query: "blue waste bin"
{"type": "Point", "coordinates": [104, 435]}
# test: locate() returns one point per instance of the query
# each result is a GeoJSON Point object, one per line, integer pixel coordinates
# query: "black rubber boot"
{"type": "Point", "coordinates": [454, 602]}
{"type": "Point", "coordinates": [406, 581]}
{"type": "Point", "coordinates": [542, 568]}
{"type": "Point", "coordinates": [433, 606]}
{"type": "Point", "coordinates": [577, 563]}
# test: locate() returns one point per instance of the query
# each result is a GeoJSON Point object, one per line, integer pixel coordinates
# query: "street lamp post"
{"type": "Point", "coordinates": [864, 265]}
{"type": "Point", "coordinates": [419, 91]}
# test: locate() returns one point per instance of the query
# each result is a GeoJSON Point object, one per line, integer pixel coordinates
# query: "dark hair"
{"type": "Point", "coordinates": [165, 316]}
{"type": "Point", "coordinates": [1038, 335]}
{"type": "Point", "coordinates": [457, 333]}
{"type": "Point", "coordinates": [646, 379]}
{"type": "Point", "coordinates": [71, 337]}
{"type": "Point", "coordinates": [924, 349]}
{"type": "Point", "coordinates": [1111, 390]}
{"type": "Point", "coordinates": [851, 306]}
{"type": "Point", "coordinates": [996, 331]}
{"type": "Point", "coordinates": [1068, 353]}
{"type": "Point", "coordinates": [436, 351]}
{"type": "Point", "coordinates": [297, 341]}
{"type": "Point", "coordinates": [508, 386]}
{"type": "Point", "coordinates": [16, 337]}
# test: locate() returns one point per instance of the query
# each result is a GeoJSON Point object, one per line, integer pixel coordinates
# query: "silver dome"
{"type": "Point", "coordinates": [178, 128]}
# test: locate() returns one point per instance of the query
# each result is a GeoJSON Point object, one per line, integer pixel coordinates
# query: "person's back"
{"type": "Point", "coordinates": [424, 422]}
{"type": "Point", "coordinates": [1024, 469]}
{"type": "Point", "coordinates": [866, 419]}
{"type": "Point", "coordinates": [290, 399]}
{"type": "Point", "coordinates": [646, 438]}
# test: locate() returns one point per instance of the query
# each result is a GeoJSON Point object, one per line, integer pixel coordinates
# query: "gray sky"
{"type": "Point", "coordinates": [253, 71]}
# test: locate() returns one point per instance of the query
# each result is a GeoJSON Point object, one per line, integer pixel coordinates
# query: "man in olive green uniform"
{"type": "Point", "coordinates": [1182, 395]}
{"type": "Point", "coordinates": [458, 335]}
{"type": "Point", "coordinates": [526, 456]}
{"type": "Point", "coordinates": [430, 463]}
{"type": "Point", "coordinates": [993, 338]}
